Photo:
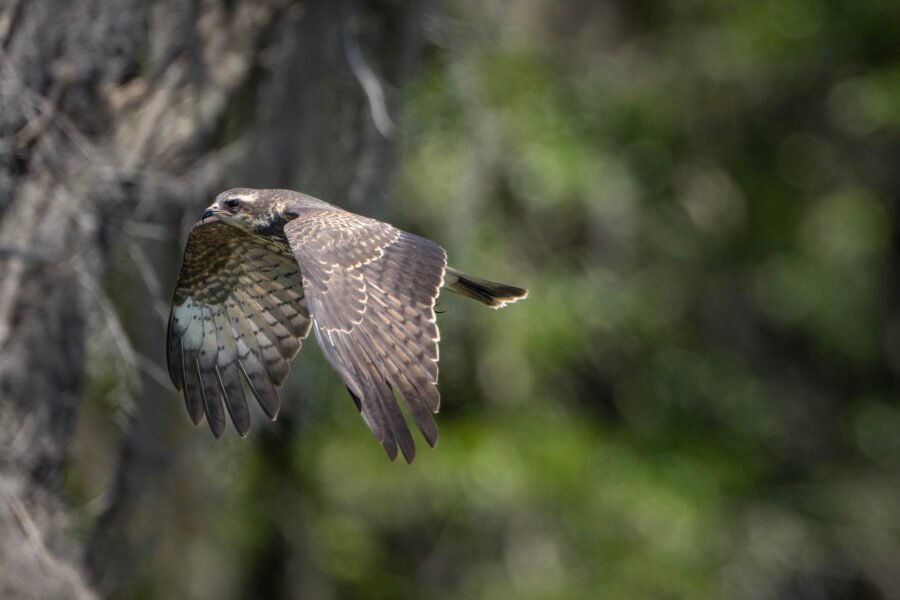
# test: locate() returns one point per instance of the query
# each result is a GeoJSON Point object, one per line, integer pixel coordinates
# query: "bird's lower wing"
{"type": "Point", "coordinates": [238, 316]}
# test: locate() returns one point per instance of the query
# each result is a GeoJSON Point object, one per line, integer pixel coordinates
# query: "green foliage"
{"type": "Point", "coordinates": [697, 200]}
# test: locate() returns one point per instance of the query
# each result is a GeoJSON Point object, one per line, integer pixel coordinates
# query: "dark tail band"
{"type": "Point", "coordinates": [495, 295]}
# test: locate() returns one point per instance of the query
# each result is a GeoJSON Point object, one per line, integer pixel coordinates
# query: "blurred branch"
{"type": "Point", "coordinates": [111, 319]}
{"type": "Point", "coordinates": [8, 252]}
{"type": "Point", "coordinates": [160, 306]}
{"type": "Point", "coordinates": [30, 569]}
{"type": "Point", "coordinates": [8, 19]}
{"type": "Point", "coordinates": [370, 83]}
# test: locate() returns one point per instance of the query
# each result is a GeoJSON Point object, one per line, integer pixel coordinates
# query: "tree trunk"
{"type": "Point", "coordinates": [118, 118]}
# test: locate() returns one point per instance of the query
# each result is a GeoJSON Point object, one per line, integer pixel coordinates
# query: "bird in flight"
{"type": "Point", "coordinates": [262, 267]}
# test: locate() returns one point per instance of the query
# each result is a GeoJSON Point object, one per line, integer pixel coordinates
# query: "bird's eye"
{"type": "Point", "coordinates": [233, 204]}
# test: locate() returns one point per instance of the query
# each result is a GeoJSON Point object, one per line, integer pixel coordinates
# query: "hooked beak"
{"type": "Point", "coordinates": [209, 212]}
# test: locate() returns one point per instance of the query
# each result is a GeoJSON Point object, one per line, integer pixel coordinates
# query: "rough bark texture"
{"type": "Point", "coordinates": [118, 120]}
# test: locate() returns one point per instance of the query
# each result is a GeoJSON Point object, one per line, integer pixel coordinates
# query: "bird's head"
{"type": "Point", "coordinates": [261, 212]}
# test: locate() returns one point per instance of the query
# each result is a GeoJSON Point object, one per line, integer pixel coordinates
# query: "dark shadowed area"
{"type": "Point", "coordinates": [699, 399]}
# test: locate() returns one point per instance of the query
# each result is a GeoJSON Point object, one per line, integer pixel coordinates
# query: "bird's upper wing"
{"type": "Point", "coordinates": [371, 291]}
{"type": "Point", "coordinates": [238, 313]}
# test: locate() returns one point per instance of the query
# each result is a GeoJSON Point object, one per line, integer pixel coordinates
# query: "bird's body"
{"type": "Point", "coordinates": [263, 267]}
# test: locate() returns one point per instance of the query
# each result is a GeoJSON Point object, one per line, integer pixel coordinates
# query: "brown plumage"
{"type": "Point", "coordinates": [263, 266]}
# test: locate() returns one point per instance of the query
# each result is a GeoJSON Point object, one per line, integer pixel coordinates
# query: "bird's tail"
{"type": "Point", "coordinates": [495, 295]}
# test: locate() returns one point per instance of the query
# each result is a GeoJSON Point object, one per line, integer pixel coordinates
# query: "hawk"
{"type": "Point", "coordinates": [263, 267]}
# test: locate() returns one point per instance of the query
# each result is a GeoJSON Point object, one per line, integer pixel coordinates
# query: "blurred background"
{"type": "Point", "coordinates": [699, 399]}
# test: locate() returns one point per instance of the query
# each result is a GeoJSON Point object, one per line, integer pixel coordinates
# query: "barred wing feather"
{"type": "Point", "coordinates": [239, 314]}
{"type": "Point", "coordinates": [371, 290]}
